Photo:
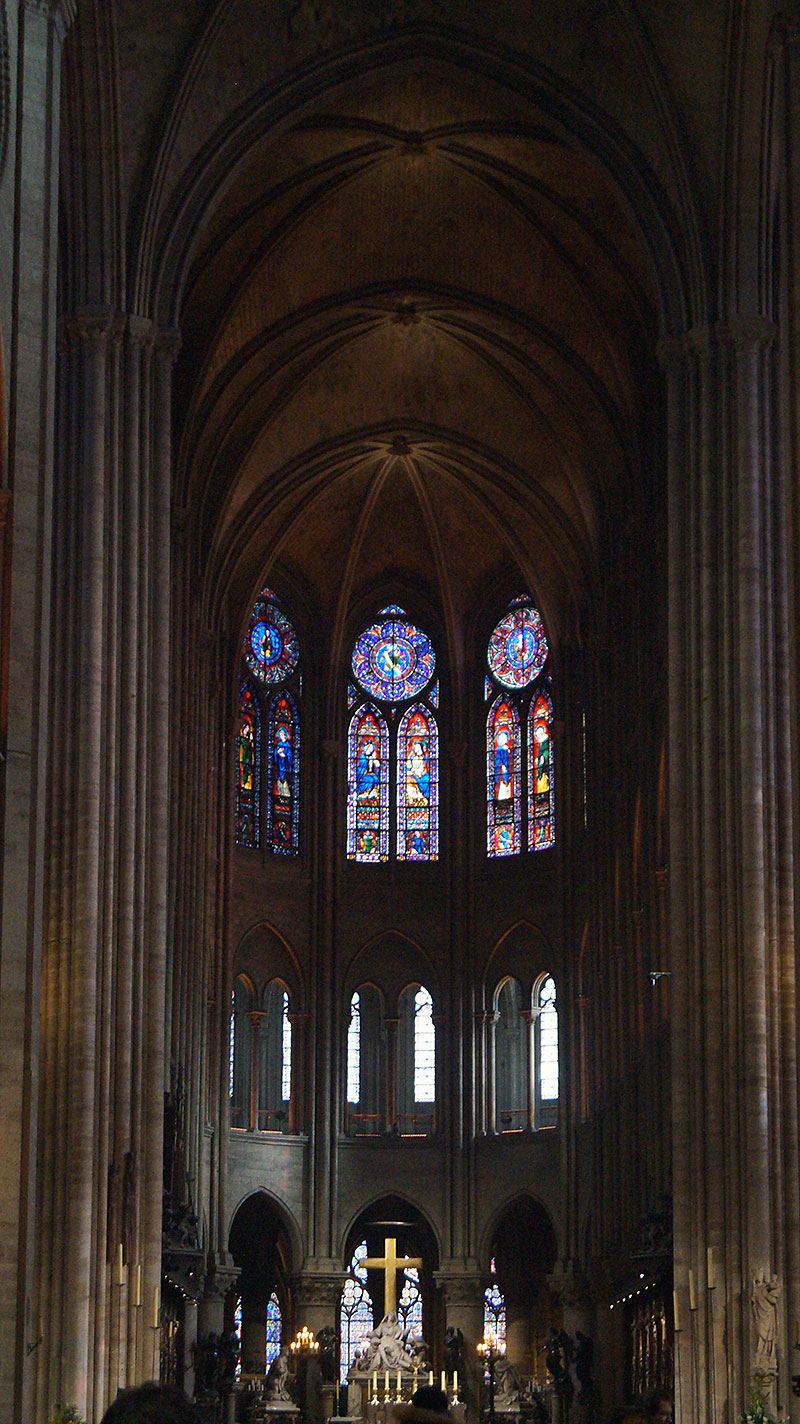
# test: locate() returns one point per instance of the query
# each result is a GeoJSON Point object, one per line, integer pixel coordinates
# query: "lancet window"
{"type": "Point", "coordinates": [494, 1310]}
{"type": "Point", "coordinates": [355, 1312]}
{"type": "Point", "coordinates": [260, 1073]}
{"type": "Point", "coordinates": [393, 781]}
{"type": "Point", "coordinates": [519, 743]}
{"type": "Point", "coordinates": [274, 1330]}
{"type": "Point", "coordinates": [268, 740]}
{"type": "Point", "coordinates": [391, 1064]}
{"type": "Point", "coordinates": [525, 1055]}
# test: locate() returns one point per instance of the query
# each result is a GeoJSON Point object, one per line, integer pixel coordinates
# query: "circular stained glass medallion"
{"type": "Point", "coordinates": [271, 649]}
{"type": "Point", "coordinates": [393, 660]}
{"type": "Point", "coordinates": [518, 648]}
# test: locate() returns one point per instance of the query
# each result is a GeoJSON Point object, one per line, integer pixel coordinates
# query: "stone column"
{"type": "Point", "coordinates": [297, 1107]}
{"type": "Point", "coordinates": [29, 200]}
{"type": "Point", "coordinates": [727, 594]}
{"type": "Point", "coordinates": [463, 1296]}
{"type": "Point", "coordinates": [390, 1100]}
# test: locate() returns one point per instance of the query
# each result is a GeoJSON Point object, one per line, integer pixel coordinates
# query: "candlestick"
{"type": "Point", "coordinates": [398, 1381]}
{"type": "Point", "coordinates": [710, 1268]}
{"type": "Point", "coordinates": [444, 1382]}
{"type": "Point", "coordinates": [676, 1320]}
{"type": "Point", "coordinates": [375, 1384]}
{"type": "Point", "coordinates": [692, 1300]}
{"type": "Point", "coordinates": [430, 1376]}
{"type": "Point", "coordinates": [455, 1381]}
{"type": "Point", "coordinates": [386, 1382]}
{"type": "Point", "coordinates": [137, 1284]}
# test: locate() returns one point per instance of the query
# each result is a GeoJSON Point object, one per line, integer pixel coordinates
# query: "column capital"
{"type": "Point", "coordinates": [90, 326]}
{"type": "Point", "coordinates": [463, 1286]}
{"type": "Point", "coordinates": [319, 1287]}
{"type": "Point", "coordinates": [738, 332]}
{"type": "Point", "coordinates": [567, 1284]}
{"type": "Point", "coordinates": [221, 1277]}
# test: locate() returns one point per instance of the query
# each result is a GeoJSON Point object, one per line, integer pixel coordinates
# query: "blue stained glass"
{"type": "Point", "coordinates": [433, 695]}
{"type": "Point", "coordinates": [417, 786]}
{"type": "Point", "coordinates": [283, 796]}
{"type": "Point", "coordinates": [393, 660]}
{"type": "Point", "coordinates": [487, 688]}
{"type": "Point", "coordinates": [518, 648]}
{"type": "Point", "coordinates": [503, 767]}
{"type": "Point", "coordinates": [271, 649]}
{"type": "Point", "coordinates": [541, 775]}
{"type": "Point", "coordinates": [248, 770]}
{"type": "Point", "coordinates": [368, 786]}
{"type": "Point", "coordinates": [520, 600]}
{"type": "Point", "coordinates": [274, 1330]}
{"type": "Point", "coordinates": [352, 696]}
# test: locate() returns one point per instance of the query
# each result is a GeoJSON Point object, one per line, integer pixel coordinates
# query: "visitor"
{"type": "Point", "coordinates": [151, 1404]}
{"type": "Point", "coordinates": [658, 1407]}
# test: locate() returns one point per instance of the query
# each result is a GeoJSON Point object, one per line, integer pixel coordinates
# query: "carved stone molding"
{"type": "Point", "coordinates": [319, 1289]}
{"type": "Point", "coordinates": [219, 1281]}
{"type": "Point", "coordinates": [460, 1288]}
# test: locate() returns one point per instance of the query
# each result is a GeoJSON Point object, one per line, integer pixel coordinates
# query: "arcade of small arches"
{"type": "Point", "coordinates": [389, 1069]}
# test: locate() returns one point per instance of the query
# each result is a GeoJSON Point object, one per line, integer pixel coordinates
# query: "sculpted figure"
{"type": "Point", "coordinates": [764, 1304]}
{"type": "Point", "coordinates": [385, 1347]}
{"type": "Point", "coordinates": [277, 1389]}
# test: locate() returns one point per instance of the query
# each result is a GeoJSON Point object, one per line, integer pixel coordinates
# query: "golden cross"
{"type": "Point", "coordinates": [390, 1264]}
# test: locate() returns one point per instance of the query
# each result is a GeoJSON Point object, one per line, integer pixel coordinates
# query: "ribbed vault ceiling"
{"type": "Point", "coordinates": [417, 343]}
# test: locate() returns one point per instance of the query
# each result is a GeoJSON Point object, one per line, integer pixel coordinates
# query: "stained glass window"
{"type": "Point", "coordinates": [286, 1051]}
{"type": "Point", "coordinates": [541, 783]}
{"type": "Point", "coordinates": [518, 648]}
{"type": "Point", "coordinates": [271, 649]}
{"type": "Point", "coordinates": [417, 786]}
{"type": "Point", "coordinates": [393, 660]}
{"type": "Point", "coordinates": [248, 773]}
{"type": "Point", "coordinates": [355, 1313]}
{"type": "Point", "coordinates": [548, 1041]}
{"type": "Point", "coordinates": [274, 1326]}
{"type": "Point", "coordinates": [503, 762]}
{"type": "Point", "coordinates": [409, 1306]}
{"type": "Point", "coordinates": [237, 1330]}
{"type": "Point", "coordinates": [283, 795]}
{"type": "Point", "coordinates": [424, 1048]}
{"type": "Point", "coordinates": [494, 1311]}
{"type": "Point", "coordinates": [368, 786]}
{"type": "Point", "coordinates": [354, 1051]}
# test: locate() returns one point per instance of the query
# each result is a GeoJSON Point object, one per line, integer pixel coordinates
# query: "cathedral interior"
{"type": "Point", "coordinates": [399, 450]}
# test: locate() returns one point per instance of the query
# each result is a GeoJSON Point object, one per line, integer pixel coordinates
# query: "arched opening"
{"type": "Point", "coordinates": [260, 1245]}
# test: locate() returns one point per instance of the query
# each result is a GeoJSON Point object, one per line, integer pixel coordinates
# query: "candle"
{"type": "Point", "coordinates": [692, 1301]}
{"type": "Point", "coordinates": [675, 1315]}
{"type": "Point", "coordinates": [386, 1382]}
{"type": "Point", "coordinates": [155, 1308]}
{"type": "Point", "coordinates": [119, 1264]}
{"type": "Point", "coordinates": [455, 1381]}
{"type": "Point", "coordinates": [444, 1382]}
{"type": "Point", "coordinates": [430, 1376]}
{"type": "Point", "coordinates": [137, 1284]}
{"type": "Point", "coordinates": [398, 1381]}
{"type": "Point", "coordinates": [710, 1267]}
{"type": "Point", "coordinates": [374, 1384]}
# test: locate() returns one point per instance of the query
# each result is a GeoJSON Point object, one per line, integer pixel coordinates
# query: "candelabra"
{"type": "Point", "coordinates": [491, 1349]}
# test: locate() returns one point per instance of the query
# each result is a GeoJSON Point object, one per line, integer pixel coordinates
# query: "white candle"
{"type": "Point", "coordinates": [444, 1382]}
{"type": "Point", "coordinates": [430, 1376]}
{"type": "Point", "coordinates": [455, 1381]}
{"type": "Point", "coordinates": [398, 1381]}
{"type": "Point", "coordinates": [676, 1320]}
{"type": "Point", "coordinates": [137, 1285]}
{"type": "Point", "coordinates": [386, 1382]}
{"type": "Point", "coordinates": [374, 1384]}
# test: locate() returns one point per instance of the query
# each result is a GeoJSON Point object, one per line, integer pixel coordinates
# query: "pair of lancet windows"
{"type": "Point", "coordinates": [393, 738]}
{"type": "Point", "coordinates": [391, 1076]}
{"type": "Point", "coordinates": [260, 1057]}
